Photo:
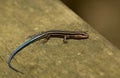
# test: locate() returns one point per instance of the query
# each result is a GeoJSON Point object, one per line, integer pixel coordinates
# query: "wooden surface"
{"type": "Point", "coordinates": [95, 57]}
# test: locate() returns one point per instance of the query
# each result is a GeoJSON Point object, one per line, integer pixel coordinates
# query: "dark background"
{"type": "Point", "coordinates": [103, 15]}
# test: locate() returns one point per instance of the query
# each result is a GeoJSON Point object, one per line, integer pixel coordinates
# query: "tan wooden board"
{"type": "Point", "coordinates": [95, 57]}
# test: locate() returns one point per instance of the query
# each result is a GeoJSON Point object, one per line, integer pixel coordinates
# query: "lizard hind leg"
{"type": "Point", "coordinates": [46, 39]}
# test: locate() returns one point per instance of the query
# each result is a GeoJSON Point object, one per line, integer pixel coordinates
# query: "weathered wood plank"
{"type": "Point", "coordinates": [95, 57]}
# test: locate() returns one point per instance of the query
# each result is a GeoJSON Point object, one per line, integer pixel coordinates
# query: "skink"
{"type": "Point", "coordinates": [52, 33]}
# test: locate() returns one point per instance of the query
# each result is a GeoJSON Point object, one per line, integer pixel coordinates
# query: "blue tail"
{"type": "Point", "coordinates": [20, 48]}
